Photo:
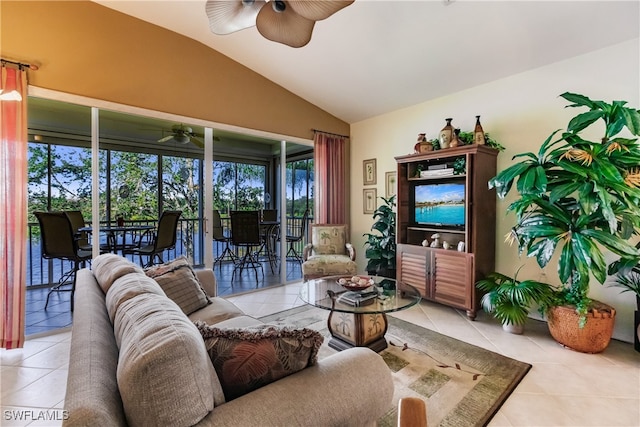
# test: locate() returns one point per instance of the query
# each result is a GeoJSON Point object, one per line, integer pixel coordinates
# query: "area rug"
{"type": "Point", "coordinates": [463, 385]}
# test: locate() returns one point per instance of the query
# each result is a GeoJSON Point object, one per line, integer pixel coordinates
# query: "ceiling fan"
{"type": "Point", "coordinates": [183, 135]}
{"type": "Point", "coordinates": [289, 22]}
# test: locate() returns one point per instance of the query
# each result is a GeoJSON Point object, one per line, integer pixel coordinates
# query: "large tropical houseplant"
{"type": "Point", "coordinates": [381, 246]}
{"type": "Point", "coordinates": [577, 197]}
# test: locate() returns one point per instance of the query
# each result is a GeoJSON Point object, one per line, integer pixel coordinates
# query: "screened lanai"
{"type": "Point", "coordinates": [131, 166]}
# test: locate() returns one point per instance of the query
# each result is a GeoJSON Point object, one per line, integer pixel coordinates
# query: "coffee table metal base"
{"type": "Point", "coordinates": [357, 330]}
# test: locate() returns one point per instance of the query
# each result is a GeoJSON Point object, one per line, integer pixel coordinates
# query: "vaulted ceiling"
{"type": "Point", "coordinates": [374, 57]}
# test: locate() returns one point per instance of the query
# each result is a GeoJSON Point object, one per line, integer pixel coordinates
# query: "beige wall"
{"type": "Point", "coordinates": [520, 112]}
{"type": "Point", "coordinates": [87, 49]}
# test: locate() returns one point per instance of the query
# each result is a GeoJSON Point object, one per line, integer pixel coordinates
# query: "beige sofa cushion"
{"type": "Point", "coordinates": [180, 283]}
{"type": "Point", "coordinates": [127, 287]}
{"type": "Point", "coordinates": [246, 359]}
{"type": "Point", "coordinates": [165, 376]}
{"type": "Point", "coordinates": [107, 268]}
{"type": "Point", "coordinates": [218, 310]}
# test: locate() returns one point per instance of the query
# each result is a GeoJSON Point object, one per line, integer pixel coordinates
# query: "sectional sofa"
{"type": "Point", "coordinates": [137, 359]}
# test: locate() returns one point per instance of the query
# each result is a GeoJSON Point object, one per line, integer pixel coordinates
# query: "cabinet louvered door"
{"type": "Point", "coordinates": [452, 282]}
{"type": "Point", "coordinates": [414, 267]}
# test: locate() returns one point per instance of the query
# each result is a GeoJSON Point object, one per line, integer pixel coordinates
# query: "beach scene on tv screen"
{"type": "Point", "coordinates": [440, 204]}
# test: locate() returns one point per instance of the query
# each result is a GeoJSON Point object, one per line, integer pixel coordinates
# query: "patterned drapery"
{"type": "Point", "coordinates": [13, 207]}
{"type": "Point", "coordinates": [331, 186]}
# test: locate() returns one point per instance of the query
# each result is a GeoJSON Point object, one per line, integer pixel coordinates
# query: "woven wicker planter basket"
{"type": "Point", "coordinates": [593, 338]}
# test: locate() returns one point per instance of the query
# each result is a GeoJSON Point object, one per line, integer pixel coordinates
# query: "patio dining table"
{"type": "Point", "coordinates": [113, 231]}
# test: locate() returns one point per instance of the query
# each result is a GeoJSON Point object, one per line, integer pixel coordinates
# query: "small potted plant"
{"type": "Point", "coordinates": [381, 250]}
{"type": "Point", "coordinates": [627, 277]}
{"type": "Point", "coordinates": [509, 300]}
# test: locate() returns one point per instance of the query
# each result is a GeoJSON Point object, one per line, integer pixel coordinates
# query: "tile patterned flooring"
{"type": "Point", "coordinates": [564, 388]}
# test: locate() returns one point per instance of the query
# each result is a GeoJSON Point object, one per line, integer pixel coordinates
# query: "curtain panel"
{"type": "Point", "coordinates": [13, 207]}
{"type": "Point", "coordinates": [330, 179]}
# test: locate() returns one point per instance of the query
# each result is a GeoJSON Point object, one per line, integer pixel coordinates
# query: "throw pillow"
{"type": "Point", "coordinates": [328, 239]}
{"type": "Point", "coordinates": [248, 358]}
{"type": "Point", "coordinates": [178, 280]}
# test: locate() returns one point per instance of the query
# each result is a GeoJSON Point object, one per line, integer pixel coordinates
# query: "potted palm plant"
{"type": "Point", "coordinates": [627, 277]}
{"type": "Point", "coordinates": [578, 197]}
{"type": "Point", "coordinates": [509, 300]}
{"type": "Point", "coordinates": [381, 250]}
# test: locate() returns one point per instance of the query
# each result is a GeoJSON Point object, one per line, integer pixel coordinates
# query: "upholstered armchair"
{"type": "Point", "coordinates": [329, 253]}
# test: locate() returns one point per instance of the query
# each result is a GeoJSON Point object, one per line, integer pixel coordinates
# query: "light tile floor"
{"type": "Point", "coordinates": [563, 388]}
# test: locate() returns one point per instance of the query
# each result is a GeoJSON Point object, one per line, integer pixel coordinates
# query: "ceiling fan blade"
{"type": "Point", "coordinates": [284, 26]}
{"type": "Point", "coordinates": [197, 142]}
{"type": "Point", "coordinates": [229, 16]}
{"type": "Point", "coordinates": [317, 10]}
{"type": "Point", "coordinates": [166, 138]}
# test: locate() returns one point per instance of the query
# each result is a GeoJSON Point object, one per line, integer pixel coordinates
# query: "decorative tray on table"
{"type": "Point", "coordinates": [356, 283]}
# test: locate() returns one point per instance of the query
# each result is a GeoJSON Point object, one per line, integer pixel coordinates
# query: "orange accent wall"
{"type": "Point", "coordinates": [86, 49]}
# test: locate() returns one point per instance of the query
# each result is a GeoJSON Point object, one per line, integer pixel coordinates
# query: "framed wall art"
{"type": "Point", "coordinates": [369, 196]}
{"type": "Point", "coordinates": [369, 171]}
{"type": "Point", "coordinates": [389, 184]}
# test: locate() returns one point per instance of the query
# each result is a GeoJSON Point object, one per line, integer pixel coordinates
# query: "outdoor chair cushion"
{"type": "Point", "coordinates": [248, 358]}
{"type": "Point", "coordinates": [178, 280]}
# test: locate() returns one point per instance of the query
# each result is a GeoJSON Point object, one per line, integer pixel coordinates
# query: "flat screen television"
{"type": "Point", "coordinates": [439, 204]}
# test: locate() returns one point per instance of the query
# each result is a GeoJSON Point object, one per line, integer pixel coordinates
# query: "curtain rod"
{"type": "Point", "coordinates": [20, 65]}
{"type": "Point", "coordinates": [330, 133]}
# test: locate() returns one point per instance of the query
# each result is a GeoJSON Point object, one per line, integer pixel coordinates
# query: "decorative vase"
{"type": "Point", "coordinates": [594, 337]}
{"type": "Point", "coordinates": [446, 134]}
{"type": "Point", "coordinates": [455, 141]}
{"type": "Point", "coordinates": [478, 132]}
{"type": "Point", "coordinates": [513, 328]}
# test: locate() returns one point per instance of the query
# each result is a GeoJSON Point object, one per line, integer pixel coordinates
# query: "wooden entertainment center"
{"type": "Point", "coordinates": [447, 276]}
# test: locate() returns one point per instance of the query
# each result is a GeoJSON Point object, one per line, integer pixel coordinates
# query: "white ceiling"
{"type": "Point", "coordinates": [374, 56]}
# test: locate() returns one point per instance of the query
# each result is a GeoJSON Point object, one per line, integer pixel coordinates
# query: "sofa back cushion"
{"type": "Point", "coordinates": [107, 268]}
{"type": "Point", "coordinates": [127, 287]}
{"type": "Point", "coordinates": [165, 376]}
{"type": "Point", "coordinates": [178, 280]}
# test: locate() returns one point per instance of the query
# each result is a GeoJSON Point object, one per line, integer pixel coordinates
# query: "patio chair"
{"type": "Point", "coordinates": [245, 233]}
{"type": "Point", "coordinates": [59, 242]}
{"type": "Point", "coordinates": [163, 239]}
{"type": "Point", "coordinates": [219, 236]}
{"type": "Point", "coordinates": [329, 253]}
{"type": "Point", "coordinates": [77, 222]}
{"type": "Point", "coordinates": [295, 234]}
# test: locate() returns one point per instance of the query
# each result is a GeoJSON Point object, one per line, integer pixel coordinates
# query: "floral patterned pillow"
{"type": "Point", "coordinates": [248, 358]}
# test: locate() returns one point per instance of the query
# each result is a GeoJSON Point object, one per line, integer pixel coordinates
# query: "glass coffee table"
{"type": "Point", "coordinates": [358, 318]}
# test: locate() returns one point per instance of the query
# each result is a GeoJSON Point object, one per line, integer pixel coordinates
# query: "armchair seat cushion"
{"type": "Point", "coordinates": [328, 265]}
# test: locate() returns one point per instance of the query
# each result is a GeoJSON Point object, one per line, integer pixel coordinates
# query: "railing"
{"type": "Point", "coordinates": [43, 272]}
